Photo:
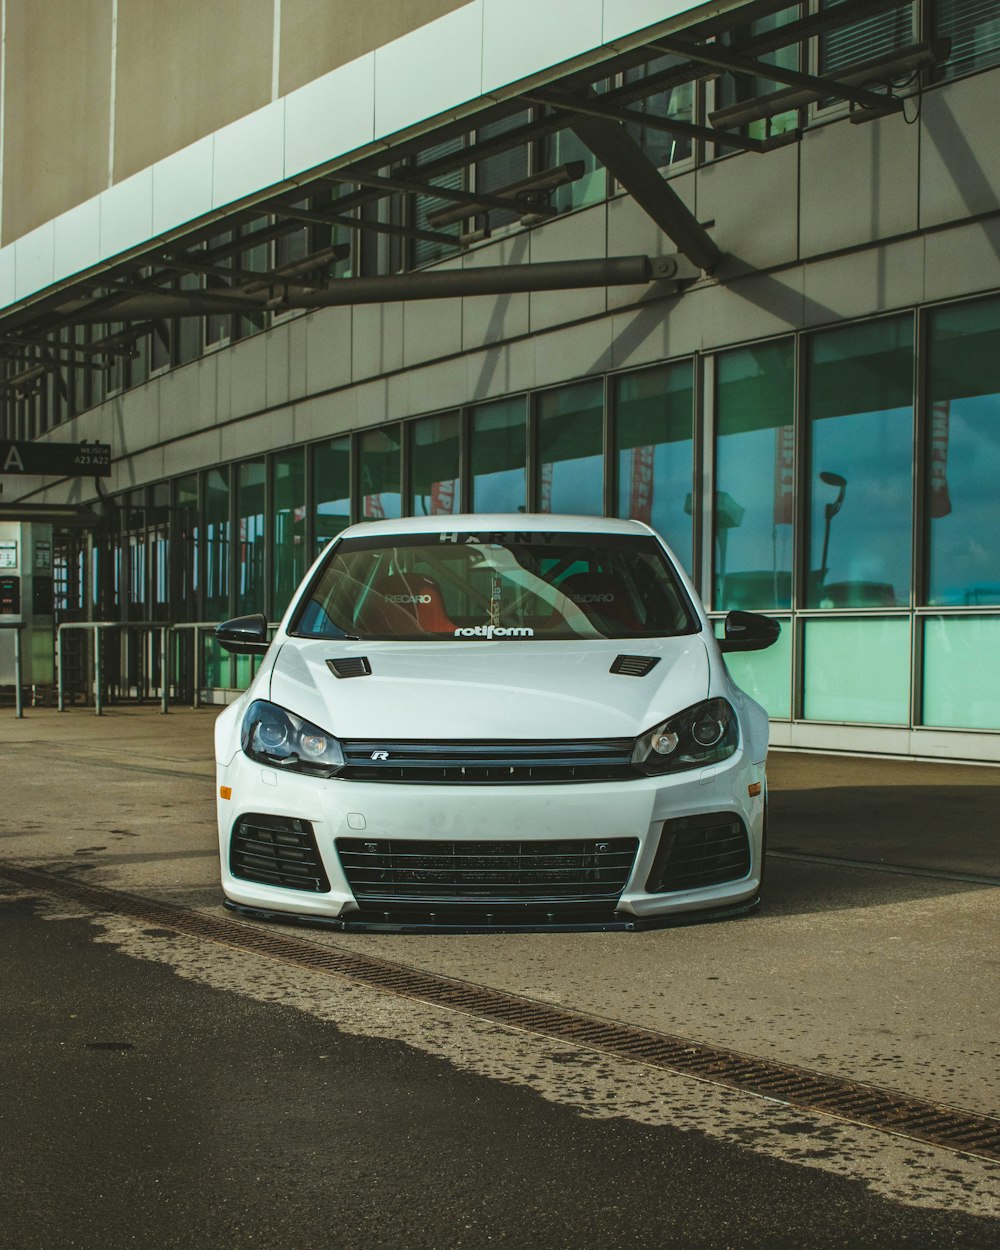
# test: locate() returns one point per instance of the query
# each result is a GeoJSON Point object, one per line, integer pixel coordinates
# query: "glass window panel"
{"type": "Point", "coordinates": [765, 675]}
{"type": "Point", "coordinates": [504, 167]}
{"type": "Point", "coordinates": [185, 544]}
{"type": "Point", "coordinates": [754, 477]}
{"type": "Point", "coordinates": [961, 691]}
{"type": "Point", "coordinates": [380, 473]}
{"type": "Point", "coordinates": [653, 432]}
{"type": "Point", "coordinates": [561, 148]}
{"type": "Point", "coordinates": [571, 450]}
{"type": "Point", "coordinates": [288, 470]}
{"type": "Point", "coordinates": [434, 466]}
{"type": "Point", "coordinates": [218, 326]}
{"type": "Point", "coordinates": [216, 663]}
{"type": "Point", "coordinates": [189, 329]}
{"type": "Point", "coordinates": [331, 470]}
{"type": "Point", "coordinates": [498, 456]}
{"type": "Point", "coordinates": [217, 532]}
{"type": "Point", "coordinates": [250, 521]}
{"type": "Point", "coordinates": [857, 670]}
{"type": "Point", "coordinates": [860, 406]}
{"type": "Point", "coordinates": [425, 250]}
{"type": "Point", "coordinates": [733, 89]}
{"type": "Point", "coordinates": [963, 453]}
{"type": "Point", "coordinates": [674, 102]}
{"type": "Point", "coordinates": [866, 39]}
{"type": "Point", "coordinates": [973, 26]}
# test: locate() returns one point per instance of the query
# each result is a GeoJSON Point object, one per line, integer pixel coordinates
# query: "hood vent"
{"type": "Point", "coordinates": [634, 665]}
{"type": "Point", "coordinates": [352, 666]}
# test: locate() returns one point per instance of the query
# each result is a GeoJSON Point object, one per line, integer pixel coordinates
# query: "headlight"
{"type": "Point", "coordinates": [273, 736]}
{"type": "Point", "coordinates": [703, 734]}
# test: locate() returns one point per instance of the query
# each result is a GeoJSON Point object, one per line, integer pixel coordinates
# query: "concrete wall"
{"type": "Point", "coordinates": [56, 108]}
{"type": "Point", "coordinates": [89, 101]}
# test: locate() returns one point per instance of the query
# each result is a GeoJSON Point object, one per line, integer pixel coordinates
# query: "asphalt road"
{"type": "Point", "coordinates": [158, 1089]}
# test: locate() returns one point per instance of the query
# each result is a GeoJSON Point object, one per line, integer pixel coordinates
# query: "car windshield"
{"type": "Point", "coordinates": [509, 586]}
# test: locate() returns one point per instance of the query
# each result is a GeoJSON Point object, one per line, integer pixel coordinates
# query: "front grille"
{"type": "Point", "coordinates": [489, 763]}
{"type": "Point", "coordinates": [697, 851]}
{"type": "Point", "coordinates": [393, 871]}
{"type": "Point", "coordinates": [276, 850]}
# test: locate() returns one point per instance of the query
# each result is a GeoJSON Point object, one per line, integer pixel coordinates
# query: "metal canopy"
{"type": "Point", "coordinates": [422, 190]}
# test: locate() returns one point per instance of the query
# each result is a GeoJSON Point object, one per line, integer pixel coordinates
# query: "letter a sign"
{"type": "Point", "coordinates": [56, 459]}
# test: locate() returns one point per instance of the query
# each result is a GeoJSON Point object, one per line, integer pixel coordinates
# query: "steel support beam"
{"type": "Point", "coordinates": [361, 223]}
{"type": "Point", "coordinates": [476, 201]}
{"type": "Point", "coordinates": [721, 58]}
{"type": "Point", "coordinates": [429, 284]}
{"type": "Point", "coordinates": [615, 148]}
{"type": "Point", "coordinates": [651, 121]}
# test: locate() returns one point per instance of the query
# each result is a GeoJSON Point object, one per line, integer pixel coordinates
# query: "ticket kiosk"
{"type": "Point", "coordinates": [26, 600]}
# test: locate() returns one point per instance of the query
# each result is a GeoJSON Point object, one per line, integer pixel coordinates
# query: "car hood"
{"type": "Point", "coordinates": [450, 690]}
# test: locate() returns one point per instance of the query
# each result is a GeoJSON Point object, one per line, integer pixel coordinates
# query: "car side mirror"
{"type": "Point", "coordinates": [749, 631]}
{"type": "Point", "coordinates": [244, 635]}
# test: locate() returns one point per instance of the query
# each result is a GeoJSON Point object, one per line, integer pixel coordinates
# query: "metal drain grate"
{"type": "Point", "coordinates": [883, 1109]}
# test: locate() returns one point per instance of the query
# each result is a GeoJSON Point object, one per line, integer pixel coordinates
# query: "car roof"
{"type": "Point", "coordinates": [497, 522]}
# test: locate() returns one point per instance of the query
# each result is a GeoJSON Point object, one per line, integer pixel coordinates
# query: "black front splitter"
{"type": "Point", "coordinates": [617, 922]}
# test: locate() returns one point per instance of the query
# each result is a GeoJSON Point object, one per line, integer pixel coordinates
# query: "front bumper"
{"type": "Point", "coordinates": [588, 812]}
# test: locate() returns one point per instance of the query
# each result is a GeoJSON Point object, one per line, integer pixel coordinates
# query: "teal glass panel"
{"type": "Point", "coordinates": [765, 675]}
{"type": "Point", "coordinates": [963, 454]}
{"type": "Point", "coordinates": [331, 477]}
{"type": "Point", "coordinates": [732, 89]}
{"type": "Point", "coordinates": [677, 102]}
{"type": "Point", "coordinates": [498, 456]}
{"type": "Point", "coordinates": [250, 587]}
{"type": "Point", "coordinates": [754, 477]}
{"type": "Point", "coordinates": [246, 667]}
{"type": "Point", "coordinates": [973, 29]}
{"type": "Point", "coordinates": [571, 450]}
{"type": "Point", "coordinates": [216, 664]}
{"type": "Point", "coordinates": [562, 148]}
{"type": "Point", "coordinates": [653, 435]}
{"type": "Point", "coordinates": [288, 501]}
{"type": "Point", "coordinates": [502, 168]}
{"type": "Point", "coordinates": [857, 669]}
{"type": "Point", "coordinates": [860, 407]}
{"type": "Point", "coordinates": [434, 466]}
{"type": "Point", "coordinates": [961, 684]}
{"type": "Point", "coordinates": [186, 539]}
{"type": "Point", "coordinates": [380, 473]}
{"type": "Point", "coordinates": [217, 536]}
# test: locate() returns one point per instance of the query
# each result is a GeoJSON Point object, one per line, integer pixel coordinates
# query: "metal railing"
{"type": "Point", "coordinates": [17, 627]}
{"type": "Point", "coordinates": [147, 627]}
{"type": "Point", "coordinates": [164, 632]}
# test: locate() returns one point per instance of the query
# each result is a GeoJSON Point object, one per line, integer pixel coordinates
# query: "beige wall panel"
{"type": "Point", "coordinates": [185, 69]}
{"type": "Point", "coordinates": [57, 108]}
{"type": "Point", "coordinates": [319, 35]}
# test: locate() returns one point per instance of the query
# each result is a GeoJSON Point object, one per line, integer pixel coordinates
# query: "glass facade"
{"type": "Point", "coordinates": [288, 520]}
{"type": "Point", "coordinates": [499, 456]}
{"type": "Point", "coordinates": [962, 454]}
{"type": "Point", "coordinates": [754, 477]}
{"type": "Point", "coordinates": [379, 474]}
{"type": "Point", "coordinates": [435, 466]}
{"type": "Point", "coordinates": [331, 488]}
{"type": "Point", "coordinates": [838, 495]}
{"type": "Point", "coordinates": [571, 450]}
{"type": "Point", "coordinates": [860, 480]}
{"type": "Point", "coordinates": [654, 439]}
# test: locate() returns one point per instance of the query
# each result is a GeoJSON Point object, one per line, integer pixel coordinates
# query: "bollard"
{"type": "Point", "coordinates": [18, 701]}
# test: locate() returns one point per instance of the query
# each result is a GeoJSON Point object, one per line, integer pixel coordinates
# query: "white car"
{"type": "Point", "coordinates": [493, 722]}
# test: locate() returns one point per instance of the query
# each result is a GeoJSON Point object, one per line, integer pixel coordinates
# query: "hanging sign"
{"type": "Point", "coordinates": [56, 459]}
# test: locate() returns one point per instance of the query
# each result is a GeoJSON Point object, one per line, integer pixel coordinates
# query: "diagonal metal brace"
{"type": "Point", "coordinates": [617, 151]}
